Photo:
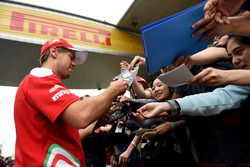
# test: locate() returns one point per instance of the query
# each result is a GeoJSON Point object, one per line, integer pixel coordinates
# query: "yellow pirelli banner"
{"type": "Point", "coordinates": [36, 26]}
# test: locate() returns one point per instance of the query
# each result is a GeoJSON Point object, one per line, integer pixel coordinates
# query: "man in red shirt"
{"type": "Point", "coordinates": [48, 116]}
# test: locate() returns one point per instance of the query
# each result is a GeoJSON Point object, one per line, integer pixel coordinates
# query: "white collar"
{"type": "Point", "coordinates": [41, 72]}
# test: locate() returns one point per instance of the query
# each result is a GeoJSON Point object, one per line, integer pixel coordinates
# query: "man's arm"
{"type": "Point", "coordinates": [214, 77]}
{"type": "Point", "coordinates": [204, 104]}
{"type": "Point", "coordinates": [213, 103]}
{"type": "Point", "coordinates": [209, 55]}
{"type": "Point", "coordinates": [84, 133]}
{"type": "Point", "coordinates": [238, 77]}
{"type": "Point", "coordinates": [140, 91]}
{"type": "Point", "coordinates": [206, 56]}
{"type": "Point", "coordinates": [84, 112]}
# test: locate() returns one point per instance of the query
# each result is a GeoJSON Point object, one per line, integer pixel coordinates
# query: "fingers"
{"type": "Point", "coordinates": [183, 60]}
{"type": "Point", "coordinates": [123, 160]}
{"type": "Point", "coordinates": [212, 17]}
{"type": "Point", "coordinates": [164, 70]}
{"type": "Point", "coordinates": [137, 116]}
{"type": "Point", "coordinates": [207, 76]}
{"type": "Point", "coordinates": [140, 114]}
{"type": "Point", "coordinates": [210, 8]}
{"type": "Point", "coordinates": [206, 79]}
{"type": "Point", "coordinates": [225, 19]}
{"type": "Point", "coordinates": [201, 22]}
{"type": "Point", "coordinates": [179, 61]}
{"type": "Point", "coordinates": [134, 62]}
{"type": "Point", "coordinates": [137, 60]}
{"type": "Point", "coordinates": [118, 87]}
{"type": "Point", "coordinates": [141, 111]}
{"type": "Point", "coordinates": [197, 78]}
{"type": "Point", "coordinates": [124, 64]}
{"type": "Point", "coordinates": [167, 69]}
{"type": "Point", "coordinates": [210, 4]}
{"type": "Point", "coordinates": [170, 67]}
{"type": "Point", "coordinates": [219, 18]}
{"type": "Point", "coordinates": [123, 99]}
{"type": "Point", "coordinates": [210, 13]}
{"type": "Point", "coordinates": [205, 27]}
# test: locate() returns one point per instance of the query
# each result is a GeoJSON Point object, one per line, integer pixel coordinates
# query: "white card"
{"type": "Point", "coordinates": [177, 77]}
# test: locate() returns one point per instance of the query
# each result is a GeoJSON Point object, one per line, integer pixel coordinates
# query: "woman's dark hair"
{"type": "Point", "coordinates": [240, 39]}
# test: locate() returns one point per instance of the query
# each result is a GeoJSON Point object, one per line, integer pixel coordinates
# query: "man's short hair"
{"type": "Point", "coordinates": [45, 56]}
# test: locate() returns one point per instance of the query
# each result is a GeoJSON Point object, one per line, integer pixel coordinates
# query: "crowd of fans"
{"type": "Point", "coordinates": [6, 161]}
{"type": "Point", "coordinates": [213, 113]}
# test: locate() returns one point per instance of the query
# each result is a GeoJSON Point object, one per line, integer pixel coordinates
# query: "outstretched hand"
{"type": "Point", "coordinates": [137, 60]}
{"type": "Point", "coordinates": [156, 109]}
{"type": "Point", "coordinates": [216, 14]}
{"type": "Point", "coordinates": [211, 77]}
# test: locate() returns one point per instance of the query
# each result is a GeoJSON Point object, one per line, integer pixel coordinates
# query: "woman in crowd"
{"type": "Point", "coordinates": [160, 150]}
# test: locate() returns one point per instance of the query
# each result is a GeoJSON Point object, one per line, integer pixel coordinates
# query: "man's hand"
{"type": "Point", "coordinates": [213, 29]}
{"type": "Point", "coordinates": [118, 87]}
{"type": "Point", "coordinates": [151, 110]}
{"type": "Point", "coordinates": [123, 158]}
{"type": "Point", "coordinates": [216, 12]}
{"type": "Point", "coordinates": [124, 65]}
{"type": "Point", "coordinates": [137, 60]}
{"type": "Point", "coordinates": [163, 128]}
{"type": "Point", "coordinates": [211, 77]}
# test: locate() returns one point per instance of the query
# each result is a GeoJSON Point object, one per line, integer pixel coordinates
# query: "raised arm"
{"type": "Point", "coordinates": [206, 56]}
{"type": "Point", "coordinates": [126, 154]}
{"type": "Point", "coordinates": [209, 55]}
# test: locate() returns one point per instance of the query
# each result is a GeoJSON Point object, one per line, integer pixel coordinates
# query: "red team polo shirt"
{"type": "Point", "coordinates": [42, 138]}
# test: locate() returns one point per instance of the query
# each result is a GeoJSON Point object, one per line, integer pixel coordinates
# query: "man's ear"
{"type": "Point", "coordinates": [53, 51]}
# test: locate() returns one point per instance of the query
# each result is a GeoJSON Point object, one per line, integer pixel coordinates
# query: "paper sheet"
{"type": "Point", "coordinates": [177, 77]}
